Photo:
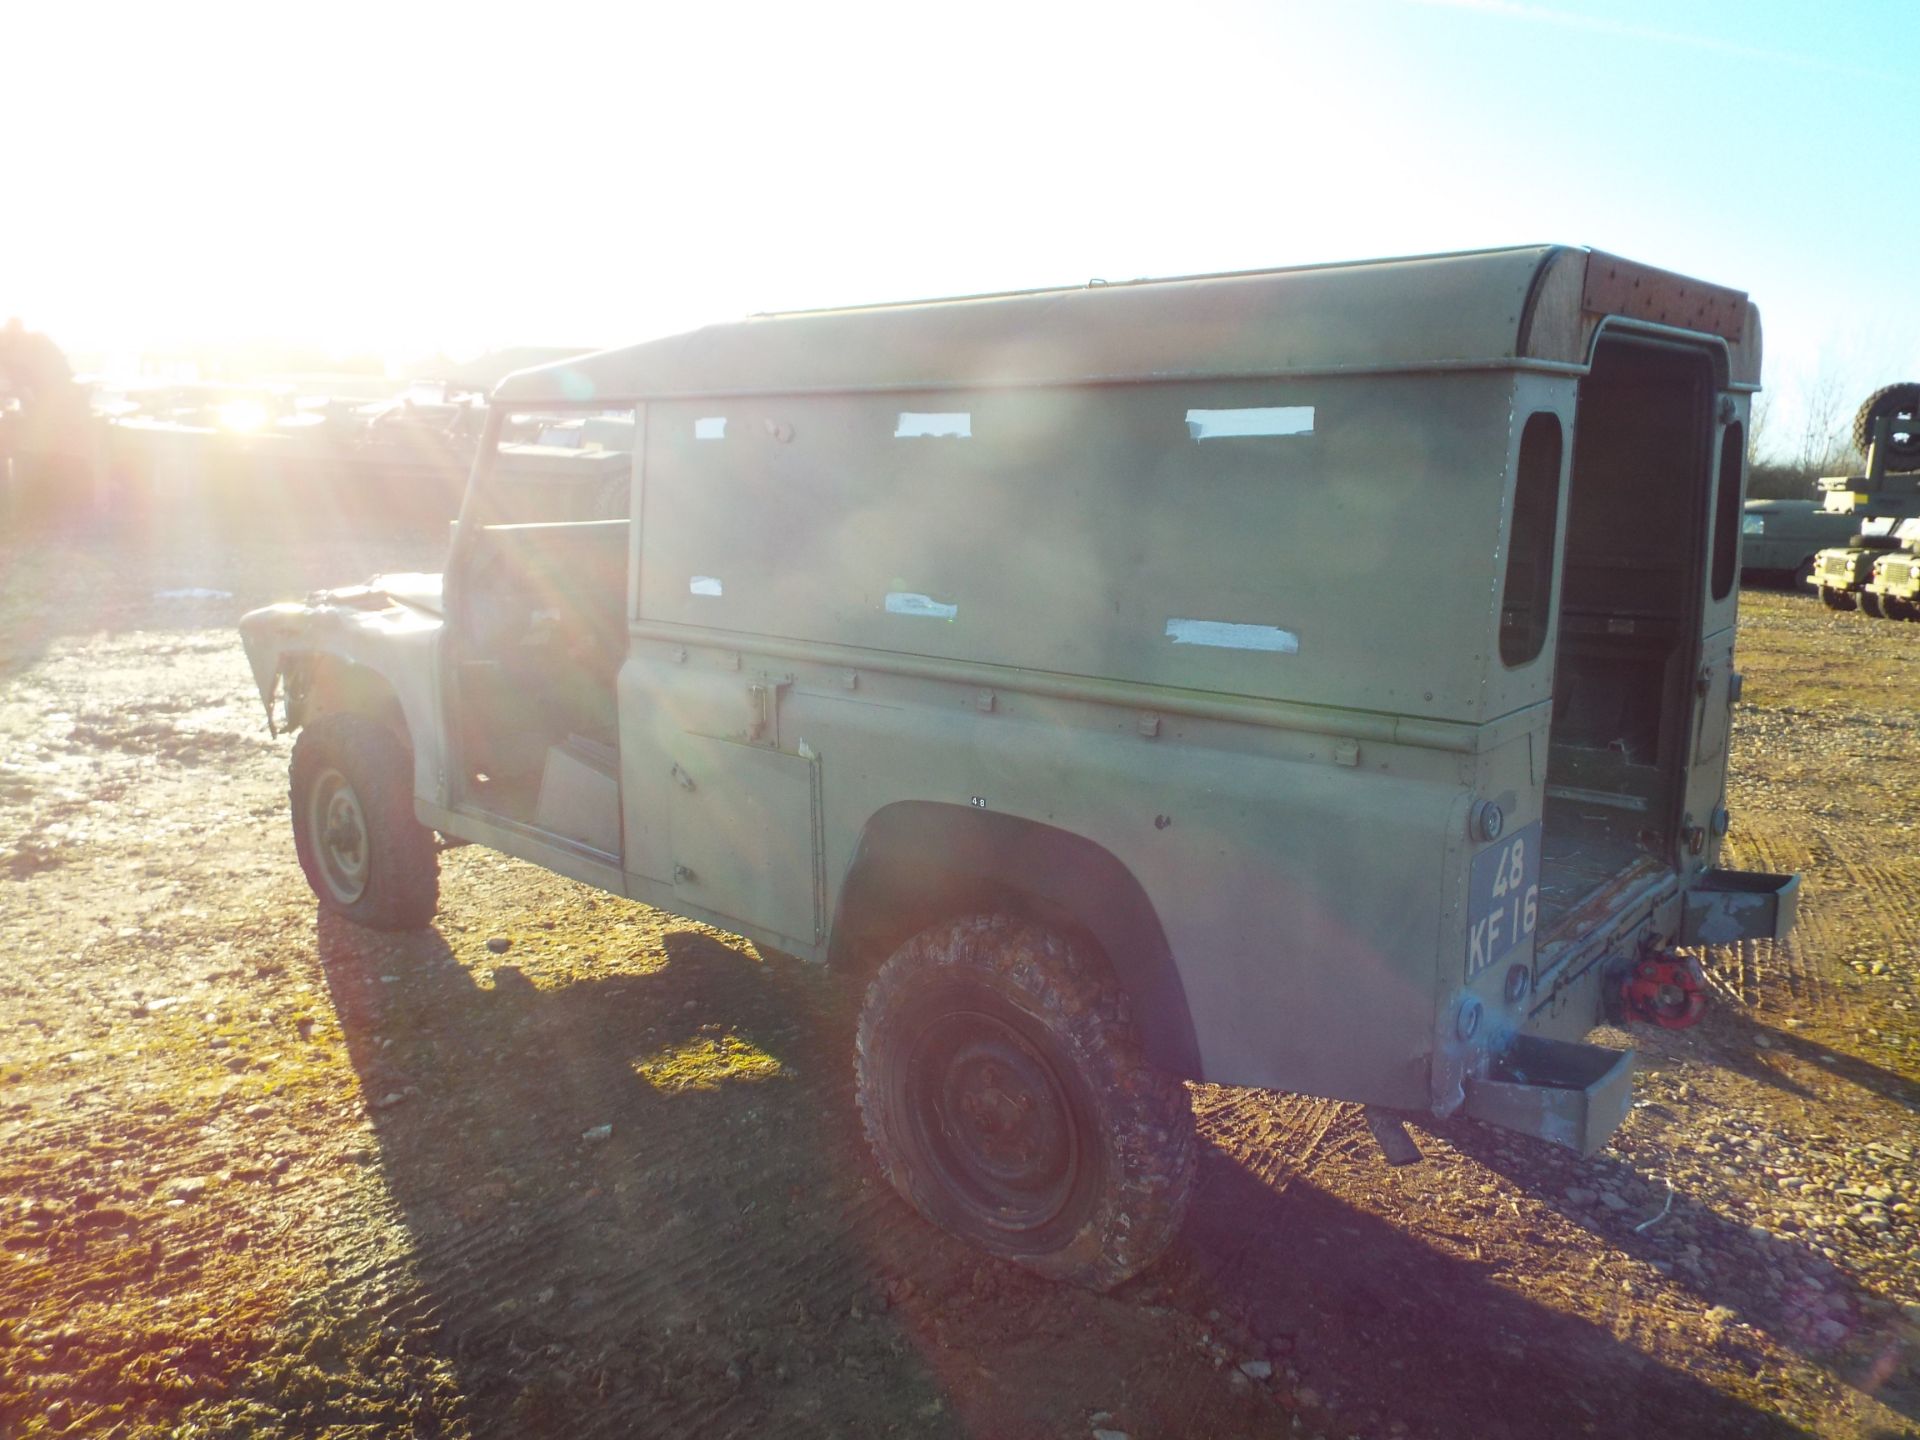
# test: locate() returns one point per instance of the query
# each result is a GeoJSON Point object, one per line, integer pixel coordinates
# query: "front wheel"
{"type": "Point", "coordinates": [1835, 599]}
{"type": "Point", "coordinates": [1006, 1097]}
{"type": "Point", "coordinates": [363, 852]}
{"type": "Point", "coordinates": [1870, 602]}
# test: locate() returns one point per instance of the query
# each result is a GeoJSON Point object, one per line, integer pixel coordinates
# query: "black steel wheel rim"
{"type": "Point", "coordinates": [996, 1119]}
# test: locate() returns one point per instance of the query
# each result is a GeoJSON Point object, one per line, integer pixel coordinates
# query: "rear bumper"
{"type": "Point", "coordinates": [1561, 1089]}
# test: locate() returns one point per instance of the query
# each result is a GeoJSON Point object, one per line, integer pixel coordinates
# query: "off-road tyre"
{"type": "Point", "coordinates": [398, 869]}
{"type": "Point", "coordinates": [1004, 1091]}
{"type": "Point", "coordinates": [1903, 446]}
{"type": "Point", "coordinates": [1870, 602]}
{"type": "Point", "coordinates": [1835, 598]}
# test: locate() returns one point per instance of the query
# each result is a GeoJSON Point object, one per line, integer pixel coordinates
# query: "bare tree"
{"type": "Point", "coordinates": [1759, 417]}
{"type": "Point", "coordinates": [1826, 439]}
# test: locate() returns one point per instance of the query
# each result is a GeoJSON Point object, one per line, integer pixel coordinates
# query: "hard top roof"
{"type": "Point", "coordinates": [1476, 308]}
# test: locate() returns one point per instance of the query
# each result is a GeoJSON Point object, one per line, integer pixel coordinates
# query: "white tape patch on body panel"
{"type": "Point", "coordinates": [1228, 635]}
{"type": "Point", "coordinates": [918, 425]}
{"type": "Point", "coordinates": [902, 602]}
{"type": "Point", "coordinates": [1257, 420]}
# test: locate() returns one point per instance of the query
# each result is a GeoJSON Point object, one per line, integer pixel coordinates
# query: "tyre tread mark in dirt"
{"type": "Point", "coordinates": [1801, 958]}
{"type": "Point", "coordinates": [1276, 1137]}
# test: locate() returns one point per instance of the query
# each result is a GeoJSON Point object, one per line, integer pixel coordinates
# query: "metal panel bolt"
{"type": "Point", "coordinates": [1467, 1023]}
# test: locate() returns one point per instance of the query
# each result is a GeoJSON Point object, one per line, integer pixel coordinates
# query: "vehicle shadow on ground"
{"type": "Point", "coordinates": [724, 1261]}
{"type": "Point", "coordinates": [1776, 1283]}
{"type": "Point", "coordinates": [587, 1281]}
{"type": "Point", "coordinates": [1388, 1328]}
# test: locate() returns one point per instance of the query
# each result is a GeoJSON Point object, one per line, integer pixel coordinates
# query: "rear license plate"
{"type": "Point", "coordinates": [1504, 898]}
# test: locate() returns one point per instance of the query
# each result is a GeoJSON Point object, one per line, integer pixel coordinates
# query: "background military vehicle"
{"type": "Point", "coordinates": [1009, 654]}
{"type": "Point", "coordinates": [1841, 572]}
{"type": "Point", "coordinates": [1886, 499]}
{"type": "Point", "coordinates": [1895, 584]}
{"type": "Point", "coordinates": [1782, 537]}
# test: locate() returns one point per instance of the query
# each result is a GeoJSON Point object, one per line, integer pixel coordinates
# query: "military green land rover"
{"type": "Point", "coordinates": [1026, 656]}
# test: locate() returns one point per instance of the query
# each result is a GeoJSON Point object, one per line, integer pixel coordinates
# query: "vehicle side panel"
{"type": "Point", "coordinates": [1297, 876]}
{"type": "Point", "coordinates": [1086, 531]}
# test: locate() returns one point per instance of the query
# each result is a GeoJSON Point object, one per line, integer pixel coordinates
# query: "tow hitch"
{"type": "Point", "coordinates": [1663, 989]}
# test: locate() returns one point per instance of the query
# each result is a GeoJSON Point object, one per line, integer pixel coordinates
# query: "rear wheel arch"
{"type": "Point", "coordinates": [921, 862]}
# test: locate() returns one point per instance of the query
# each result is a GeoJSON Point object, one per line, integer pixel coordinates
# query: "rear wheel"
{"type": "Point", "coordinates": [1005, 1095]}
{"type": "Point", "coordinates": [363, 852]}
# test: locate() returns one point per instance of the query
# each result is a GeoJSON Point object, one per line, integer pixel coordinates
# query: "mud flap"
{"type": "Point", "coordinates": [1571, 1094]}
{"type": "Point", "coordinates": [1724, 906]}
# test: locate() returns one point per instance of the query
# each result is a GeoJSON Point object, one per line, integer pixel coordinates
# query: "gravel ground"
{"type": "Point", "coordinates": [563, 1165]}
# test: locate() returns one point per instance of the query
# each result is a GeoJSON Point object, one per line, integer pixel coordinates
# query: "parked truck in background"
{"type": "Point", "coordinates": [1865, 571]}
{"type": "Point", "coordinates": [1024, 657]}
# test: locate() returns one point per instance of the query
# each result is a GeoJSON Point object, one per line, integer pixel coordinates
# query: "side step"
{"type": "Point", "coordinates": [1727, 905]}
{"type": "Point", "coordinates": [1568, 1093]}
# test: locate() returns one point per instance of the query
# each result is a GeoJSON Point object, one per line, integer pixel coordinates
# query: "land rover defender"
{"type": "Point", "coordinates": [1782, 537]}
{"type": "Point", "coordinates": [1027, 656]}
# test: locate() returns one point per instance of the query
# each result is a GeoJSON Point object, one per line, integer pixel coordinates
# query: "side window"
{"type": "Point", "coordinates": [1526, 595]}
{"type": "Point", "coordinates": [564, 466]}
{"type": "Point", "coordinates": [1726, 510]}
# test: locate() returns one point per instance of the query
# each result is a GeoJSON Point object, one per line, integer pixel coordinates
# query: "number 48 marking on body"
{"type": "Point", "coordinates": [1513, 869]}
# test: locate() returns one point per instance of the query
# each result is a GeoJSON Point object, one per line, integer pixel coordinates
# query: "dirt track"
{"type": "Point", "coordinates": [261, 1173]}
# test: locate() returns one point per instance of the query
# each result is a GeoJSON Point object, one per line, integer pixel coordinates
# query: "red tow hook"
{"type": "Point", "coordinates": [1664, 990]}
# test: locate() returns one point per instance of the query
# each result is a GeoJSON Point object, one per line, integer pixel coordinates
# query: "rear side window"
{"type": "Point", "coordinates": [1526, 595]}
{"type": "Point", "coordinates": [1726, 510]}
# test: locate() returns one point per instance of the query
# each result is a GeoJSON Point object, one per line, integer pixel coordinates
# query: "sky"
{"type": "Point", "coordinates": [407, 178]}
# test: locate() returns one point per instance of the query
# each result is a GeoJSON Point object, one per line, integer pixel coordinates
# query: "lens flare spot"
{"type": "Point", "coordinates": [243, 415]}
